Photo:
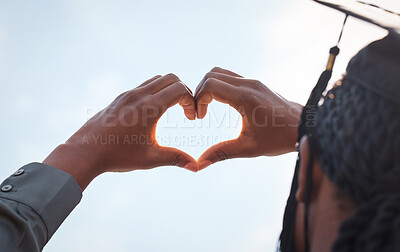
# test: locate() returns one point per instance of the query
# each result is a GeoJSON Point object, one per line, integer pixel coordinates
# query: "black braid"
{"type": "Point", "coordinates": [358, 145]}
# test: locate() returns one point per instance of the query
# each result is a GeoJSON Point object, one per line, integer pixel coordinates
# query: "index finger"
{"type": "Point", "coordinates": [229, 79]}
{"type": "Point", "coordinates": [177, 93]}
{"type": "Point", "coordinates": [217, 70]}
{"type": "Point", "coordinates": [218, 90]}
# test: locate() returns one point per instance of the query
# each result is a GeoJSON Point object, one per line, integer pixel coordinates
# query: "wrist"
{"type": "Point", "coordinates": [294, 120]}
{"type": "Point", "coordinates": [75, 160]}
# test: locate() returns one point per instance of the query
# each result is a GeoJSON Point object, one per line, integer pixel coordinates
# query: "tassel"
{"type": "Point", "coordinates": [307, 120]}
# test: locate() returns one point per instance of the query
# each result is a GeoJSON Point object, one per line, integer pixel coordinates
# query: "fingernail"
{"type": "Point", "coordinates": [192, 116]}
{"type": "Point", "coordinates": [192, 167]}
{"type": "Point", "coordinates": [203, 164]}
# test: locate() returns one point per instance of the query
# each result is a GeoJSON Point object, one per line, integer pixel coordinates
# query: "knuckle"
{"type": "Point", "coordinates": [216, 69]}
{"type": "Point", "coordinates": [255, 84]}
{"type": "Point", "coordinates": [181, 85]}
{"type": "Point", "coordinates": [209, 83]}
{"type": "Point", "coordinates": [208, 75]}
{"type": "Point", "coordinates": [121, 96]}
{"type": "Point", "coordinates": [149, 101]}
{"type": "Point", "coordinates": [146, 101]}
{"type": "Point", "coordinates": [172, 77]}
{"type": "Point", "coordinates": [130, 96]}
{"type": "Point", "coordinates": [182, 89]}
{"type": "Point", "coordinates": [178, 86]}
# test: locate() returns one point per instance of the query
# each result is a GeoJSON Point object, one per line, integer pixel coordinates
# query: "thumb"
{"type": "Point", "coordinates": [222, 151]}
{"type": "Point", "coordinates": [175, 157]}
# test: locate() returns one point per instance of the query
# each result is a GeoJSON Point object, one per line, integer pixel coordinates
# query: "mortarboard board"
{"type": "Point", "coordinates": [375, 67]}
{"type": "Point", "coordinates": [368, 12]}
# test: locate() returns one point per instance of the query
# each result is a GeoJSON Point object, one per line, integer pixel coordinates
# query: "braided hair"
{"type": "Point", "coordinates": [357, 141]}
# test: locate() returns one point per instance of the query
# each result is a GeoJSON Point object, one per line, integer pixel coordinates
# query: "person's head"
{"type": "Point", "coordinates": [353, 156]}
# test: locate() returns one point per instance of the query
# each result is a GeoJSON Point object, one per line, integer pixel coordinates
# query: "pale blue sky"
{"type": "Point", "coordinates": [60, 61]}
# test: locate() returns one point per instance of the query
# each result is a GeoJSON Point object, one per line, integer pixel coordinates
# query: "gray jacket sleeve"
{"type": "Point", "coordinates": [34, 201]}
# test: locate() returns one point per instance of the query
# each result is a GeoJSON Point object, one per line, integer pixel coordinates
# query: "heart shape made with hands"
{"type": "Point", "coordinates": [222, 123]}
{"type": "Point", "coordinates": [218, 130]}
{"type": "Point", "coordinates": [122, 136]}
{"type": "Point", "coordinates": [269, 122]}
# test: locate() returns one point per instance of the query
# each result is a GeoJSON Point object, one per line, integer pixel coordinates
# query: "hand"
{"type": "Point", "coordinates": [121, 137]}
{"type": "Point", "coordinates": [269, 121]}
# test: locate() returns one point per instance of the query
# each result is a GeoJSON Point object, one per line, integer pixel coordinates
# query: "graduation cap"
{"type": "Point", "coordinates": [374, 61]}
{"type": "Point", "coordinates": [376, 67]}
{"type": "Point", "coordinates": [368, 12]}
